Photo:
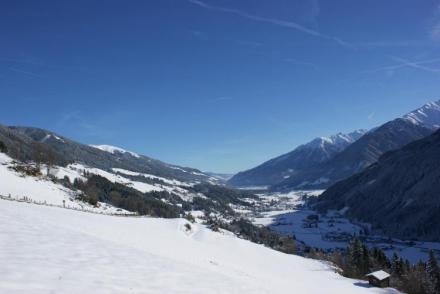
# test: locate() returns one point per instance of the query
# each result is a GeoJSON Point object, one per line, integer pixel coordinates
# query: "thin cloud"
{"type": "Point", "coordinates": [28, 73]}
{"type": "Point", "coordinates": [273, 21]}
{"type": "Point", "coordinates": [221, 98]}
{"type": "Point", "coordinates": [302, 63]}
{"type": "Point", "coordinates": [390, 44]}
{"type": "Point", "coordinates": [420, 65]}
{"type": "Point", "coordinates": [434, 31]}
{"type": "Point", "coordinates": [198, 34]}
{"type": "Point", "coordinates": [371, 116]}
{"type": "Point", "coordinates": [250, 43]}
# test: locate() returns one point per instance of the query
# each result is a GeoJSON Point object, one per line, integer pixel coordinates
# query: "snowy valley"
{"type": "Point", "coordinates": [120, 222]}
{"type": "Point", "coordinates": [289, 214]}
{"type": "Point", "coordinates": [53, 241]}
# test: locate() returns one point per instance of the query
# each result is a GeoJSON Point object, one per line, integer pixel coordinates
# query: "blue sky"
{"type": "Point", "coordinates": [220, 85]}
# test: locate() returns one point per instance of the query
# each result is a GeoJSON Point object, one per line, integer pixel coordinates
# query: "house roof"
{"type": "Point", "coordinates": [380, 275]}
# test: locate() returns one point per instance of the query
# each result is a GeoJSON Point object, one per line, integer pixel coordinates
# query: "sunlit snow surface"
{"type": "Point", "coordinates": [114, 149]}
{"type": "Point", "coordinates": [17, 186]}
{"type": "Point", "coordinates": [54, 250]}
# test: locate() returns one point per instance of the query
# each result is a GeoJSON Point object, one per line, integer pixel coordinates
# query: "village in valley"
{"type": "Point", "coordinates": [291, 214]}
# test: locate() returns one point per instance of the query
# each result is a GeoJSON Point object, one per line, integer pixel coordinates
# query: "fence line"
{"type": "Point", "coordinates": [26, 199]}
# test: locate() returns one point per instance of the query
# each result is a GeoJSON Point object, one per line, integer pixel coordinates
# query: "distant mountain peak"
{"type": "Point", "coordinates": [282, 167]}
{"type": "Point", "coordinates": [337, 139]}
{"type": "Point", "coordinates": [114, 149]}
{"type": "Point", "coordinates": [428, 115]}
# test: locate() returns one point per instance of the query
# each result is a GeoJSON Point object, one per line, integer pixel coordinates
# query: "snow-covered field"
{"type": "Point", "coordinates": [54, 250]}
{"type": "Point", "coordinates": [286, 214]}
{"type": "Point", "coordinates": [42, 189]}
{"type": "Point", "coordinates": [15, 185]}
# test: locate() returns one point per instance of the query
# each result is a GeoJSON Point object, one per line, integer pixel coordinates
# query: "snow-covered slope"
{"type": "Point", "coordinates": [17, 186]}
{"type": "Point", "coordinates": [113, 150]}
{"type": "Point", "coordinates": [53, 250]}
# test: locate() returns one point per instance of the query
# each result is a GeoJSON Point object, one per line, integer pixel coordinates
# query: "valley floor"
{"type": "Point", "coordinates": [286, 214]}
{"type": "Point", "coordinates": [53, 250]}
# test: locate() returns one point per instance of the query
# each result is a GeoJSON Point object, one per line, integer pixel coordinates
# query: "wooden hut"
{"type": "Point", "coordinates": [379, 279]}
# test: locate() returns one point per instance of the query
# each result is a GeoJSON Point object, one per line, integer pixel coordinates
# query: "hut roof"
{"type": "Point", "coordinates": [380, 275]}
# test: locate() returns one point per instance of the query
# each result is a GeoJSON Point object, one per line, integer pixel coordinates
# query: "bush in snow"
{"type": "Point", "coordinates": [27, 170]}
{"type": "Point", "coordinates": [3, 147]}
{"type": "Point", "coordinates": [190, 217]}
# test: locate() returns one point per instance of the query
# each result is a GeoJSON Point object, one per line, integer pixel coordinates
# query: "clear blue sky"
{"type": "Point", "coordinates": [220, 85]}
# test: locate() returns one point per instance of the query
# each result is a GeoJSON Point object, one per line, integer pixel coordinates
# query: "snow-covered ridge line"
{"type": "Point", "coordinates": [114, 149]}
{"type": "Point", "coordinates": [341, 138]}
{"type": "Point", "coordinates": [428, 115]}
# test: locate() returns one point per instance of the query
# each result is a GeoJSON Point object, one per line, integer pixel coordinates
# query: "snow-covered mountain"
{"type": "Point", "coordinates": [398, 195]}
{"type": "Point", "coordinates": [113, 150]}
{"type": "Point", "coordinates": [53, 250]}
{"type": "Point", "coordinates": [304, 156]}
{"type": "Point", "coordinates": [104, 157]}
{"type": "Point", "coordinates": [44, 167]}
{"type": "Point", "coordinates": [390, 136]}
{"type": "Point", "coordinates": [428, 115]}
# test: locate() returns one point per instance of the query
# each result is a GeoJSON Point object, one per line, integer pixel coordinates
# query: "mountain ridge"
{"type": "Point", "coordinates": [391, 135]}
{"type": "Point", "coordinates": [67, 151]}
{"type": "Point", "coordinates": [278, 168]}
{"type": "Point", "coordinates": [398, 194]}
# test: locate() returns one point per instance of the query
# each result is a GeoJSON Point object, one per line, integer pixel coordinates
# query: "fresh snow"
{"type": "Point", "coordinates": [140, 186]}
{"type": "Point", "coordinates": [136, 174]}
{"type": "Point", "coordinates": [380, 275]}
{"type": "Point", "coordinates": [53, 250]}
{"type": "Point", "coordinates": [61, 172]}
{"type": "Point", "coordinates": [113, 150]}
{"type": "Point", "coordinates": [173, 186]}
{"type": "Point", "coordinates": [286, 214]}
{"type": "Point", "coordinates": [341, 140]}
{"type": "Point", "coordinates": [16, 186]}
{"type": "Point", "coordinates": [427, 115]}
{"type": "Point", "coordinates": [48, 136]}
{"type": "Point", "coordinates": [76, 170]}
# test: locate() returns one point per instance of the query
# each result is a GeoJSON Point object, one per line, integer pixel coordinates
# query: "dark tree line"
{"type": "Point", "coordinates": [358, 260]}
{"type": "Point", "coordinates": [3, 147]}
{"type": "Point", "coordinates": [260, 235]}
{"type": "Point", "coordinates": [97, 188]}
{"type": "Point", "coordinates": [218, 199]}
{"type": "Point", "coordinates": [222, 194]}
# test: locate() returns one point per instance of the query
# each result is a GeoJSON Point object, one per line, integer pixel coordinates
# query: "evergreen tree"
{"type": "Point", "coordinates": [356, 258]}
{"type": "Point", "coordinates": [433, 272]}
{"type": "Point", "coordinates": [397, 266]}
{"type": "Point", "coordinates": [365, 262]}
